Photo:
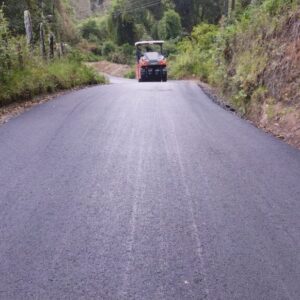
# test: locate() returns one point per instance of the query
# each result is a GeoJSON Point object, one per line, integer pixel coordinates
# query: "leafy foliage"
{"type": "Point", "coordinates": [169, 26]}
{"type": "Point", "coordinates": [197, 53]}
{"type": "Point", "coordinates": [94, 29]}
{"type": "Point", "coordinates": [56, 13]}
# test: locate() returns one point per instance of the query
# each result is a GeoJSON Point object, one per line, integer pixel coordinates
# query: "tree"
{"type": "Point", "coordinates": [193, 12]}
{"type": "Point", "coordinates": [169, 26]}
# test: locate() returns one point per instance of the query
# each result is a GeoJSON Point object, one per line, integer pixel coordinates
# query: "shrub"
{"type": "Point", "coordinates": [120, 55]}
{"type": "Point", "coordinates": [127, 50]}
{"type": "Point", "coordinates": [107, 48]}
{"type": "Point", "coordinates": [130, 74]}
{"type": "Point", "coordinates": [94, 29]}
{"type": "Point", "coordinates": [170, 47]}
{"type": "Point", "coordinates": [197, 53]}
{"type": "Point", "coordinates": [273, 7]}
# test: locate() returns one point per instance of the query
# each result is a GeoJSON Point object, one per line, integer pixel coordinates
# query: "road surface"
{"type": "Point", "coordinates": [146, 191]}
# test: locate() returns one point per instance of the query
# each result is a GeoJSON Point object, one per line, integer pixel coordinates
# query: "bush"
{"type": "Point", "coordinates": [127, 50]}
{"type": "Point", "coordinates": [119, 55]}
{"type": "Point", "coordinates": [94, 29]}
{"type": "Point", "coordinates": [130, 74]}
{"type": "Point", "coordinates": [197, 53]}
{"type": "Point", "coordinates": [273, 7]}
{"type": "Point", "coordinates": [170, 47]}
{"type": "Point", "coordinates": [107, 48]}
{"type": "Point", "coordinates": [89, 28]}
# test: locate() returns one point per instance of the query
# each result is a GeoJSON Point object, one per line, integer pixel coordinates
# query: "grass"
{"type": "Point", "coordinates": [38, 77]}
{"type": "Point", "coordinates": [130, 74]}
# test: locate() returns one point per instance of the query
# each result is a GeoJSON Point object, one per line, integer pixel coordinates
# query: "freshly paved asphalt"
{"type": "Point", "coordinates": [146, 191]}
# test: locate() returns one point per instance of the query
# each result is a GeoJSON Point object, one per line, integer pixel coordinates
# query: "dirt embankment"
{"type": "Point", "coordinates": [110, 68]}
{"type": "Point", "coordinates": [277, 110]}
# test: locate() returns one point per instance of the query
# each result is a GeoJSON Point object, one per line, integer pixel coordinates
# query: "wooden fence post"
{"type": "Point", "coordinates": [42, 41]}
{"type": "Point", "coordinates": [51, 45]}
{"type": "Point", "coordinates": [61, 48]}
{"type": "Point", "coordinates": [28, 28]}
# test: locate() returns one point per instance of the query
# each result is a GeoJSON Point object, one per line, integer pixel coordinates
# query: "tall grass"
{"type": "Point", "coordinates": [40, 78]}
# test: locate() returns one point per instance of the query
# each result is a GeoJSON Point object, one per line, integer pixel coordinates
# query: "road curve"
{"type": "Point", "coordinates": [146, 191]}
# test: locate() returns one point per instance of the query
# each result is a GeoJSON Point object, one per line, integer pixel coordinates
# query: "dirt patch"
{"type": "Point", "coordinates": [110, 68]}
{"type": "Point", "coordinates": [281, 120]}
{"type": "Point", "coordinates": [279, 111]}
{"type": "Point", "coordinates": [282, 75]}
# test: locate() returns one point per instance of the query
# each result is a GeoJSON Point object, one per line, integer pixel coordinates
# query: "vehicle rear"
{"type": "Point", "coordinates": [151, 65]}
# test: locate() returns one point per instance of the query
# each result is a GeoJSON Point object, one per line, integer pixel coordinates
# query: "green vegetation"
{"type": "Point", "coordinates": [38, 78]}
{"type": "Point", "coordinates": [169, 27]}
{"type": "Point", "coordinates": [56, 13]}
{"type": "Point", "coordinates": [196, 53]}
{"type": "Point", "coordinates": [128, 21]}
{"type": "Point", "coordinates": [24, 71]}
{"type": "Point", "coordinates": [237, 54]}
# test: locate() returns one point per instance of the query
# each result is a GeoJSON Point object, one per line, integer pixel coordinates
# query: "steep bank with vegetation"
{"type": "Point", "coordinates": [30, 65]}
{"type": "Point", "coordinates": [253, 59]}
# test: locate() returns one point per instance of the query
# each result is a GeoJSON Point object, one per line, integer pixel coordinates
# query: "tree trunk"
{"type": "Point", "coordinates": [231, 7]}
{"type": "Point", "coordinates": [225, 8]}
{"type": "Point", "coordinates": [51, 45]}
{"type": "Point", "coordinates": [62, 48]}
{"type": "Point", "coordinates": [28, 28]}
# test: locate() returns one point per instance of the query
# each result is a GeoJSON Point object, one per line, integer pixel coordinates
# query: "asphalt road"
{"type": "Point", "coordinates": [146, 191]}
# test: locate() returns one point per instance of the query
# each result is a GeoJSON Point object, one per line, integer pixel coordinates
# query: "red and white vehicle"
{"type": "Point", "coordinates": [151, 63]}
